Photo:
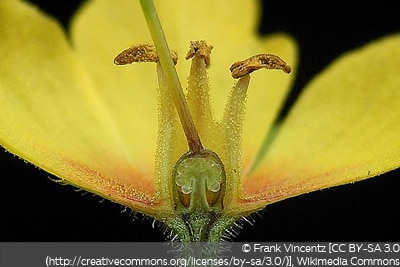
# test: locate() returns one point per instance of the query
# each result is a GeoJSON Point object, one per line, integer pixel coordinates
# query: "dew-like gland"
{"type": "Point", "coordinates": [214, 187]}
{"type": "Point", "coordinates": [215, 179]}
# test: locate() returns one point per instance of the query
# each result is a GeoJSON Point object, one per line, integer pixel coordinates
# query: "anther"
{"type": "Point", "coordinates": [140, 53]}
{"type": "Point", "coordinates": [201, 49]}
{"type": "Point", "coordinates": [266, 61]}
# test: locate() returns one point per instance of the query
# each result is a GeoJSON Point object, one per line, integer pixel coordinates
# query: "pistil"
{"type": "Point", "coordinates": [171, 76]}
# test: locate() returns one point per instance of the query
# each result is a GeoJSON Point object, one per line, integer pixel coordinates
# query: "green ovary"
{"type": "Point", "coordinates": [198, 168]}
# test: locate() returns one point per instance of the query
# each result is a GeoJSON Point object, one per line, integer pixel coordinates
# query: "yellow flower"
{"type": "Point", "coordinates": [94, 125]}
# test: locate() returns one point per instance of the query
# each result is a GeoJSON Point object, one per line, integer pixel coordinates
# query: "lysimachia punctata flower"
{"type": "Point", "coordinates": [201, 158]}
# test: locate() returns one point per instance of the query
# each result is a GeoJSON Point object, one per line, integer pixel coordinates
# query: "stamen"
{"type": "Point", "coordinates": [232, 124]}
{"type": "Point", "coordinates": [198, 92]}
{"type": "Point", "coordinates": [267, 61]}
{"type": "Point", "coordinates": [235, 109]}
{"type": "Point", "coordinates": [201, 49]}
{"type": "Point", "coordinates": [140, 53]}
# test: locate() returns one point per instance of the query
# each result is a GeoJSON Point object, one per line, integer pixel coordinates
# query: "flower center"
{"type": "Point", "coordinates": [199, 177]}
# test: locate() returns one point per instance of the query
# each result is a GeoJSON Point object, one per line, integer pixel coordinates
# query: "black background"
{"type": "Point", "coordinates": [34, 208]}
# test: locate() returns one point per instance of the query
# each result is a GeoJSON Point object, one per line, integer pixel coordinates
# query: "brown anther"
{"type": "Point", "coordinates": [201, 49]}
{"type": "Point", "coordinates": [267, 61]}
{"type": "Point", "coordinates": [140, 53]}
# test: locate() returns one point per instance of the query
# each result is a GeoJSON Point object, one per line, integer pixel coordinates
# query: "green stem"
{"type": "Point", "coordinates": [171, 75]}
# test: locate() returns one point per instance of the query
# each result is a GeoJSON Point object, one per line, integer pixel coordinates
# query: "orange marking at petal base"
{"type": "Point", "coordinates": [119, 183]}
{"type": "Point", "coordinates": [278, 183]}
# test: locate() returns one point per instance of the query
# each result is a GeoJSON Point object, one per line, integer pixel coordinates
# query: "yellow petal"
{"type": "Point", "coordinates": [52, 116]}
{"type": "Point", "coordinates": [100, 31]}
{"type": "Point", "coordinates": [344, 128]}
